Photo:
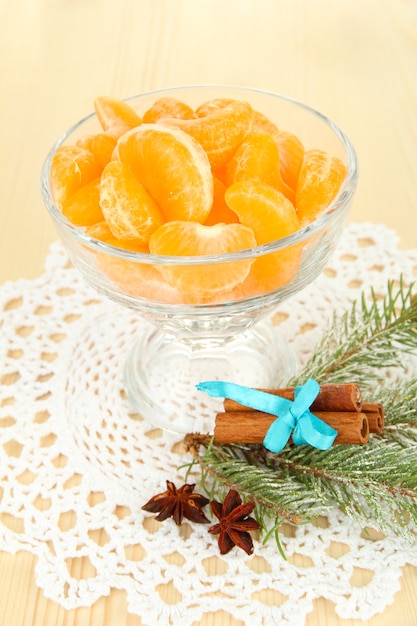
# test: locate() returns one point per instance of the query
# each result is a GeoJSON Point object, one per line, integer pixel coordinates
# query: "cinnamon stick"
{"type": "Point", "coordinates": [374, 412]}
{"type": "Point", "coordinates": [332, 397]}
{"type": "Point", "coordinates": [249, 426]}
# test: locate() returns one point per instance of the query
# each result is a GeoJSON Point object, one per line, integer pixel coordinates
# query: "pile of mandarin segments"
{"type": "Point", "coordinates": [180, 181]}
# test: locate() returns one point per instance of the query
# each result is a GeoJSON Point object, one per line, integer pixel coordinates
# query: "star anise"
{"type": "Point", "coordinates": [178, 503]}
{"type": "Point", "coordinates": [234, 523]}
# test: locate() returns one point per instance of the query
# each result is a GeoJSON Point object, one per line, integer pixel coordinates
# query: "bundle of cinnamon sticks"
{"type": "Point", "coordinates": [339, 406]}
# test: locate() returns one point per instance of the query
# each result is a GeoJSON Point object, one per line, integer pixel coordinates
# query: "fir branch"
{"type": "Point", "coordinates": [373, 335]}
{"type": "Point", "coordinates": [380, 460]}
{"type": "Point", "coordinates": [375, 484]}
{"type": "Point", "coordinates": [399, 402]}
{"type": "Point", "coordinates": [280, 494]}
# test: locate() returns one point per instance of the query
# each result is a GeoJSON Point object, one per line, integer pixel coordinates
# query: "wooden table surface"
{"type": "Point", "coordinates": [355, 60]}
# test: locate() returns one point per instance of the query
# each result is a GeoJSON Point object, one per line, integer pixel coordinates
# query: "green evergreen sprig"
{"type": "Point", "coordinates": [374, 484]}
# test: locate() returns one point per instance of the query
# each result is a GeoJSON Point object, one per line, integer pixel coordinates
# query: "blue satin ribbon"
{"type": "Point", "coordinates": [294, 417]}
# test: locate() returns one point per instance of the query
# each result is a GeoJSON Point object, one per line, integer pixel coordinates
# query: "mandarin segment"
{"type": "Point", "coordinates": [271, 216]}
{"type": "Point", "coordinates": [173, 168]}
{"type": "Point", "coordinates": [168, 107]}
{"type": "Point", "coordinates": [72, 167]}
{"type": "Point", "coordinates": [220, 213]}
{"type": "Point", "coordinates": [257, 158]}
{"type": "Point", "coordinates": [102, 232]}
{"type": "Point", "coordinates": [271, 271]}
{"type": "Point", "coordinates": [263, 208]}
{"type": "Point", "coordinates": [202, 281]}
{"type": "Point", "coordinates": [83, 207]}
{"type": "Point", "coordinates": [291, 151]}
{"type": "Point", "coordinates": [320, 179]}
{"type": "Point", "coordinates": [115, 114]}
{"type": "Point", "coordinates": [210, 106]}
{"type": "Point", "coordinates": [181, 238]}
{"type": "Point", "coordinates": [262, 124]}
{"type": "Point", "coordinates": [139, 279]}
{"type": "Point", "coordinates": [100, 144]}
{"type": "Point", "coordinates": [221, 131]}
{"type": "Point", "coordinates": [128, 209]}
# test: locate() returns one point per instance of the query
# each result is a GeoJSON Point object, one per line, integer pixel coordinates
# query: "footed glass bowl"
{"type": "Point", "coordinates": [196, 335]}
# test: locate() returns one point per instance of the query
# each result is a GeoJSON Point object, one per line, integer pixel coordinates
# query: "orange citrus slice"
{"type": "Point", "coordinates": [180, 238]}
{"type": "Point", "coordinates": [262, 124]}
{"type": "Point", "coordinates": [102, 232]}
{"type": "Point", "coordinates": [271, 216]}
{"type": "Point", "coordinates": [138, 279]}
{"type": "Point", "coordinates": [100, 144]}
{"type": "Point", "coordinates": [115, 114]}
{"type": "Point", "coordinates": [257, 158]}
{"type": "Point", "coordinates": [72, 167]}
{"type": "Point", "coordinates": [168, 107]}
{"type": "Point", "coordinates": [263, 208]}
{"type": "Point", "coordinates": [320, 179]}
{"type": "Point", "coordinates": [83, 207]}
{"type": "Point", "coordinates": [291, 153]}
{"type": "Point", "coordinates": [221, 131]}
{"type": "Point", "coordinates": [210, 106]}
{"type": "Point", "coordinates": [128, 209]}
{"type": "Point", "coordinates": [172, 167]}
{"type": "Point", "coordinates": [220, 213]}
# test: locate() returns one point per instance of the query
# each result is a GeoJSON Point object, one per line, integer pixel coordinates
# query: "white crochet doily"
{"type": "Point", "coordinates": [76, 465]}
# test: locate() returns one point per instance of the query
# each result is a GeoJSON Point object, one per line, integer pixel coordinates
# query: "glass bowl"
{"type": "Point", "coordinates": [192, 338]}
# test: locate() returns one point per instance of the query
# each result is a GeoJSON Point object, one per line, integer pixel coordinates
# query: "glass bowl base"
{"type": "Point", "coordinates": [161, 374]}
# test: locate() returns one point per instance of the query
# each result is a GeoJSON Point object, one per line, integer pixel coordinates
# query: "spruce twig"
{"type": "Point", "coordinates": [375, 484]}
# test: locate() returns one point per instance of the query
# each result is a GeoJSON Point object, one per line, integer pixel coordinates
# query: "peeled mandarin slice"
{"type": "Point", "coordinates": [99, 230]}
{"type": "Point", "coordinates": [139, 279]}
{"type": "Point", "coordinates": [220, 212]}
{"type": "Point", "coordinates": [263, 208]}
{"type": "Point", "coordinates": [258, 158]}
{"type": "Point", "coordinates": [221, 131]}
{"type": "Point", "coordinates": [102, 232]}
{"type": "Point", "coordinates": [168, 107]}
{"type": "Point", "coordinates": [172, 167]}
{"type": "Point", "coordinates": [72, 167]}
{"type": "Point", "coordinates": [210, 106]}
{"type": "Point", "coordinates": [320, 179]}
{"type": "Point", "coordinates": [262, 124]}
{"type": "Point", "coordinates": [200, 282]}
{"type": "Point", "coordinates": [180, 238]}
{"type": "Point", "coordinates": [128, 209]}
{"type": "Point", "coordinates": [272, 271]}
{"type": "Point", "coordinates": [271, 216]}
{"type": "Point", "coordinates": [100, 144]}
{"type": "Point", "coordinates": [83, 207]}
{"type": "Point", "coordinates": [115, 114]}
{"type": "Point", "coordinates": [291, 152]}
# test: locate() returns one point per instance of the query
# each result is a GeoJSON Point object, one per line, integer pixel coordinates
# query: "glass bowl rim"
{"type": "Point", "coordinates": [327, 217]}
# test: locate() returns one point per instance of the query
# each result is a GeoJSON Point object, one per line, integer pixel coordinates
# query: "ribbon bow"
{"type": "Point", "coordinates": [294, 417]}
